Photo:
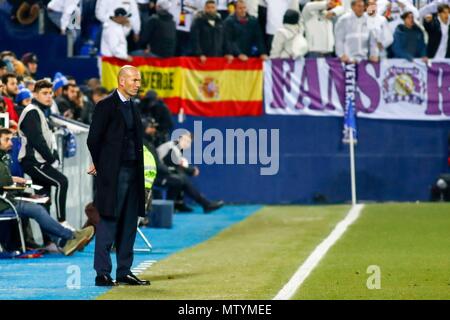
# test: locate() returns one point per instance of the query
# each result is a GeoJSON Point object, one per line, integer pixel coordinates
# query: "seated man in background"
{"type": "Point", "coordinates": [69, 241]}
{"type": "Point", "coordinates": [176, 178]}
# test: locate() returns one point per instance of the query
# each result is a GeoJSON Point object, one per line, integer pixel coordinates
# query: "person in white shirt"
{"type": "Point", "coordinates": [438, 28]}
{"type": "Point", "coordinates": [318, 18]}
{"type": "Point", "coordinates": [275, 13]}
{"type": "Point", "coordinates": [104, 9]}
{"type": "Point", "coordinates": [354, 41]}
{"type": "Point", "coordinates": [431, 8]}
{"type": "Point", "coordinates": [114, 35]}
{"type": "Point", "coordinates": [392, 10]}
{"type": "Point", "coordinates": [288, 42]}
{"type": "Point", "coordinates": [379, 27]}
{"type": "Point", "coordinates": [65, 14]}
{"type": "Point", "coordinates": [183, 12]}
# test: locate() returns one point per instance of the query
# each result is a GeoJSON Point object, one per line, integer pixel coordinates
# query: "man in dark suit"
{"type": "Point", "coordinates": [115, 144]}
{"type": "Point", "coordinates": [438, 29]}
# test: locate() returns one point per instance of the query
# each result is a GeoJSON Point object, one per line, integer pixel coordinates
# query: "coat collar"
{"type": "Point", "coordinates": [118, 102]}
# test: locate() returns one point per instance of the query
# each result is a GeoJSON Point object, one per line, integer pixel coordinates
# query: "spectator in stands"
{"type": "Point", "coordinates": [69, 241]}
{"type": "Point", "coordinates": [10, 91]}
{"type": "Point", "coordinates": [171, 154]}
{"type": "Point", "coordinates": [23, 99]}
{"type": "Point", "coordinates": [159, 33]}
{"type": "Point", "coordinates": [29, 83]}
{"type": "Point", "coordinates": [207, 32]}
{"type": "Point", "coordinates": [409, 40]}
{"type": "Point", "coordinates": [114, 36]}
{"type": "Point", "coordinates": [59, 81]}
{"type": "Point", "coordinates": [8, 57]}
{"type": "Point", "coordinates": [155, 111]}
{"type": "Point", "coordinates": [379, 28]}
{"type": "Point", "coordinates": [354, 41]}
{"type": "Point", "coordinates": [13, 65]}
{"type": "Point", "coordinates": [146, 9]}
{"type": "Point", "coordinates": [289, 42]}
{"type": "Point", "coordinates": [225, 8]}
{"type": "Point", "coordinates": [392, 10]}
{"type": "Point", "coordinates": [80, 102]}
{"type": "Point", "coordinates": [67, 101]}
{"type": "Point", "coordinates": [71, 79]}
{"type": "Point", "coordinates": [243, 35]}
{"type": "Point", "coordinates": [30, 61]}
{"type": "Point", "coordinates": [183, 13]}
{"type": "Point", "coordinates": [275, 13]}
{"type": "Point", "coordinates": [93, 83]}
{"type": "Point", "coordinates": [105, 9]}
{"type": "Point", "coordinates": [319, 18]}
{"type": "Point", "coordinates": [38, 155]}
{"type": "Point", "coordinates": [431, 8]}
{"type": "Point", "coordinates": [11, 85]}
{"type": "Point", "coordinates": [438, 27]}
{"type": "Point", "coordinates": [65, 15]}
{"type": "Point", "coordinates": [3, 68]}
{"type": "Point", "coordinates": [97, 94]}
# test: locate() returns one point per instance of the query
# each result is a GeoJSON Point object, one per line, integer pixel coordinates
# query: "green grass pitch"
{"type": "Point", "coordinates": [409, 243]}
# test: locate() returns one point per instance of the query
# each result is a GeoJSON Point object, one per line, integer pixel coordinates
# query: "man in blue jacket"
{"type": "Point", "coordinates": [409, 42]}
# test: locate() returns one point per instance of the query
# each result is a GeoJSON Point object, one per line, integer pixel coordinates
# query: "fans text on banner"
{"type": "Point", "coordinates": [393, 89]}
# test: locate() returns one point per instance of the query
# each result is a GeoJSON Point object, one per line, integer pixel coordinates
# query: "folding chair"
{"type": "Point", "coordinates": [149, 248]}
{"type": "Point", "coordinates": [13, 216]}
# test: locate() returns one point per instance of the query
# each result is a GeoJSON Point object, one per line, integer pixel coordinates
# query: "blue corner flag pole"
{"type": "Point", "coordinates": [350, 134]}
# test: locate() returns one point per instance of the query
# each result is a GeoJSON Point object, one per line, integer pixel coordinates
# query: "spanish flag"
{"type": "Point", "coordinates": [215, 89]}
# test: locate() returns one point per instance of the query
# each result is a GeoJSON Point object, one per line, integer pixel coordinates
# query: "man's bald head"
{"type": "Point", "coordinates": [129, 80]}
{"type": "Point", "coordinates": [126, 71]}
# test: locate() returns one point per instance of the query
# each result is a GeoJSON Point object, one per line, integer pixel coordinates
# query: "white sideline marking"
{"type": "Point", "coordinates": [143, 266]}
{"type": "Point", "coordinates": [319, 252]}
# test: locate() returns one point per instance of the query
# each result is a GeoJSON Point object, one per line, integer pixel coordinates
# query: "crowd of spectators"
{"type": "Point", "coordinates": [351, 30]}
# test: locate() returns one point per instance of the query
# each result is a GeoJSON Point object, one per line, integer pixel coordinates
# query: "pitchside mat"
{"type": "Point", "coordinates": [374, 251]}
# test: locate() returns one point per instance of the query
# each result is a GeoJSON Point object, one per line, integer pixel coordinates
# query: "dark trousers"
{"type": "Point", "coordinates": [120, 230]}
{"type": "Point", "coordinates": [47, 176]}
{"type": "Point", "coordinates": [179, 183]}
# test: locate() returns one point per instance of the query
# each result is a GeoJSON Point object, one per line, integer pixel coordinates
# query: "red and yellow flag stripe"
{"type": "Point", "coordinates": [215, 88]}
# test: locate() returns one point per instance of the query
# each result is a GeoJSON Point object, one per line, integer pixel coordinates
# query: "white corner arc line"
{"type": "Point", "coordinates": [319, 252]}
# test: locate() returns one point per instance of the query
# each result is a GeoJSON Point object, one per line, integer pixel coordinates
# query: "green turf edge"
{"type": "Point", "coordinates": [408, 242]}
{"type": "Point", "coordinates": [250, 260]}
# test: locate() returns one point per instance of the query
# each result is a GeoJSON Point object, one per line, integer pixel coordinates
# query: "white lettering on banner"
{"type": "Point", "coordinates": [392, 89]}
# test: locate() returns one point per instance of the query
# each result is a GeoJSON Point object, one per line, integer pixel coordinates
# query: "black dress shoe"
{"type": "Point", "coordinates": [213, 206]}
{"type": "Point", "coordinates": [132, 280]}
{"type": "Point", "coordinates": [105, 281]}
{"type": "Point", "coordinates": [182, 207]}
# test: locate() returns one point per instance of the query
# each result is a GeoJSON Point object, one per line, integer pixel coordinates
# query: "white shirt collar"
{"type": "Point", "coordinates": [122, 98]}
